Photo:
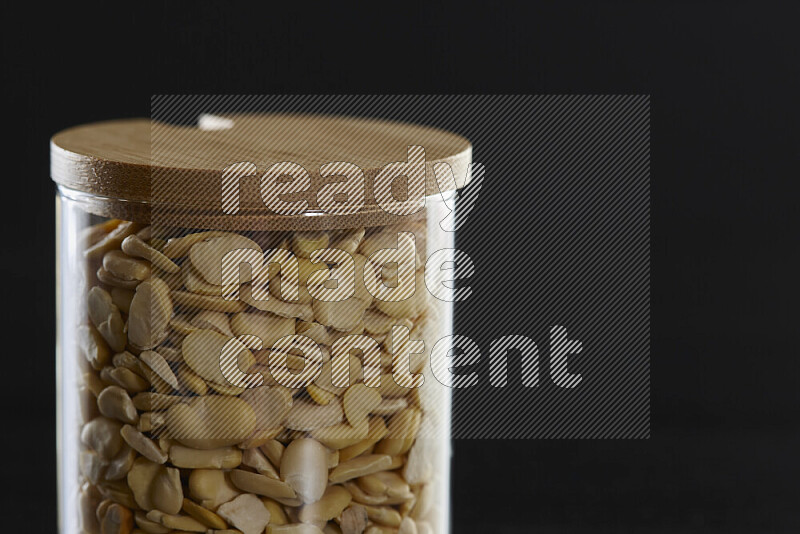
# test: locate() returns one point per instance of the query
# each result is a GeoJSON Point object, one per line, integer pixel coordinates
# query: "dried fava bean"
{"type": "Point", "coordinates": [203, 352]}
{"type": "Point", "coordinates": [203, 515]}
{"type": "Point", "coordinates": [353, 519]}
{"type": "Point", "coordinates": [145, 525]}
{"type": "Point", "coordinates": [260, 437]}
{"type": "Point", "coordinates": [128, 380]}
{"type": "Point", "coordinates": [135, 245]}
{"type": "Point", "coordinates": [211, 422]}
{"type": "Point", "coordinates": [102, 435]}
{"type": "Point", "coordinates": [383, 515]}
{"type": "Point", "coordinates": [110, 280]}
{"type": "Point", "coordinates": [149, 401]}
{"type": "Point", "coordinates": [175, 522]}
{"type": "Point", "coordinates": [194, 282]}
{"type": "Point", "coordinates": [273, 450]}
{"type": "Point", "coordinates": [390, 406]}
{"type": "Point", "coordinates": [183, 326]}
{"type": "Point", "coordinates": [211, 487]}
{"type": "Point", "coordinates": [359, 401]}
{"type": "Point", "coordinates": [385, 483]}
{"type": "Point", "coordinates": [178, 247]}
{"type": "Point", "coordinates": [319, 395]}
{"type": "Point", "coordinates": [189, 458]}
{"type": "Point", "coordinates": [105, 316]}
{"type": "Point", "coordinates": [304, 312]}
{"type": "Point", "coordinates": [294, 528]}
{"type": "Point", "coordinates": [155, 486]}
{"type": "Point", "coordinates": [118, 492]}
{"type": "Point", "coordinates": [207, 256]}
{"type": "Point", "coordinates": [117, 520]}
{"type": "Point", "coordinates": [268, 328]}
{"type": "Point", "coordinates": [332, 503]}
{"type": "Point", "coordinates": [159, 366]}
{"type": "Point", "coordinates": [93, 347]}
{"type": "Point", "coordinates": [122, 298]}
{"type": "Point", "coordinates": [191, 380]}
{"type": "Point", "coordinates": [317, 332]}
{"type": "Point", "coordinates": [344, 315]}
{"type": "Point", "coordinates": [129, 361]}
{"type": "Point", "coordinates": [211, 320]}
{"type": "Point", "coordinates": [151, 309]}
{"type": "Point", "coordinates": [207, 302]}
{"type": "Point", "coordinates": [341, 435]}
{"type": "Point", "coordinates": [304, 467]}
{"type": "Point", "coordinates": [359, 467]}
{"type": "Point", "coordinates": [348, 240]}
{"type": "Point", "coordinates": [125, 267]}
{"type": "Point", "coordinates": [270, 404]}
{"type": "Point", "coordinates": [377, 430]}
{"type": "Point", "coordinates": [112, 240]}
{"type": "Point", "coordinates": [261, 485]}
{"type": "Point", "coordinates": [91, 466]}
{"type": "Point", "coordinates": [143, 445]}
{"type": "Point", "coordinates": [119, 466]}
{"type": "Point", "coordinates": [407, 526]}
{"type": "Point", "coordinates": [304, 243]}
{"type": "Point", "coordinates": [115, 403]}
{"type": "Point", "coordinates": [276, 514]}
{"type": "Point", "coordinates": [246, 513]}
{"type": "Point", "coordinates": [403, 428]}
{"type": "Point", "coordinates": [255, 458]}
{"type": "Point", "coordinates": [307, 416]}
{"type": "Point", "coordinates": [149, 421]}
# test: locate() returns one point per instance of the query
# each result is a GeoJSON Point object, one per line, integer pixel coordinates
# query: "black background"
{"type": "Point", "coordinates": [724, 83]}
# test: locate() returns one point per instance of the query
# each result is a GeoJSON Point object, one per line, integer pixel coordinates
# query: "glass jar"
{"type": "Point", "coordinates": [223, 367]}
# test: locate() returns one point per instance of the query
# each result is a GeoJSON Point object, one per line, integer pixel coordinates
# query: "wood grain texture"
{"type": "Point", "coordinates": [137, 169]}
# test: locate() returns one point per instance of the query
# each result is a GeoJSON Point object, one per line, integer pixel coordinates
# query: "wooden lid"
{"type": "Point", "coordinates": [141, 170]}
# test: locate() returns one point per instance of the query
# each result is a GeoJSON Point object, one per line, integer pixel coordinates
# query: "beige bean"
{"type": "Point", "coordinates": [182, 325]}
{"type": "Point", "coordinates": [268, 328]}
{"type": "Point", "coordinates": [203, 352]}
{"type": "Point", "coordinates": [211, 320]}
{"type": "Point", "coordinates": [304, 467]}
{"type": "Point", "coordinates": [222, 458]}
{"type": "Point", "coordinates": [332, 503]}
{"type": "Point", "coordinates": [403, 429]}
{"type": "Point", "coordinates": [341, 435]}
{"type": "Point", "coordinates": [273, 450]}
{"type": "Point", "coordinates": [103, 436]}
{"type": "Point", "coordinates": [276, 514]}
{"type": "Point", "coordinates": [207, 302]}
{"type": "Point", "coordinates": [261, 485]}
{"type": "Point", "coordinates": [260, 437]}
{"type": "Point", "coordinates": [385, 483]}
{"type": "Point", "coordinates": [105, 316]}
{"type": "Point", "coordinates": [211, 487]}
{"type": "Point", "coordinates": [344, 315]}
{"type": "Point", "coordinates": [319, 395]}
{"type": "Point", "coordinates": [384, 515]}
{"type": "Point", "coordinates": [377, 430]}
{"type": "Point", "coordinates": [255, 458]}
{"type": "Point", "coordinates": [110, 280]}
{"type": "Point", "coordinates": [128, 380]}
{"type": "Point", "coordinates": [118, 492]}
{"type": "Point", "coordinates": [353, 519]}
{"type": "Point", "coordinates": [142, 444]}
{"type": "Point", "coordinates": [191, 381]}
{"type": "Point", "coordinates": [125, 267]}
{"type": "Point", "coordinates": [91, 465]}
{"type": "Point", "coordinates": [207, 255]}
{"type": "Point", "coordinates": [307, 416]}
{"type": "Point", "coordinates": [155, 486]}
{"type": "Point", "coordinates": [151, 527]}
{"type": "Point", "coordinates": [117, 519]}
{"type": "Point", "coordinates": [119, 466]}
{"type": "Point", "coordinates": [407, 526]}
{"type": "Point", "coordinates": [317, 332]}
{"type": "Point", "coordinates": [149, 401]}
{"type": "Point", "coordinates": [160, 367]}
{"type": "Point", "coordinates": [271, 405]}
{"type": "Point", "coordinates": [122, 298]}
{"type": "Point", "coordinates": [203, 515]}
{"type": "Point", "coordinates": [112, 240]}
{"type": "Point", "coordinates": [177, 522]}
{"type": "Point", "coordinates": [211, 421]}
{"type": "Point", "coordinates": [149, 421]}
{"type": "Point", "coordinates": [193, 281]}
{"type": "Point", "coordinates": [390, 406]}
{"type": "Point", "coordinates": [246, 513]}
{"type": "Point", "coordinates": [115, 403]}
{"type": "Point", "coordinates": [93, 347]}
{"type": "Point", "coordinates": [348, 240]}
{"type": "Point", "coordinates": [358, 402]}
{"type": "Point", "coordinates": [136, 246]}
{"type": "Point", "coordinates": [359, 467]}
{"type": "Point", "coordinates": [304, 312]}
{"type": "Point", "coordinates": [178, 247]}
{"type": "Point", "coordinates": [293, 528]}
{"type": "Point", "coordinates": [151, 309]}
{"type": "Point", "coordinates": [304, 243]}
